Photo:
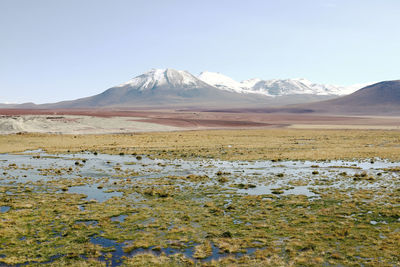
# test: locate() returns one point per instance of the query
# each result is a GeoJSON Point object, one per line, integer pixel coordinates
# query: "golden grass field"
{"type": "Point", "coordinates": [223, 144]}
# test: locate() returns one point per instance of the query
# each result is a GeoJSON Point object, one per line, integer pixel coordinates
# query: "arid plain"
{"type": "Point", "coordinates": [101, 121]}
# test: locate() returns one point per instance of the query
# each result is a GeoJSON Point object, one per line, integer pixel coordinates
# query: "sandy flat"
{"type": "Point", "coordinates": [71, 124]}
{"type": "Point", "coordinates": [98, 121]}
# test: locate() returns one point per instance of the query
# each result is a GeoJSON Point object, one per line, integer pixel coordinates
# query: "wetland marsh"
{"type": "Point", "coordinates": [212, 198]}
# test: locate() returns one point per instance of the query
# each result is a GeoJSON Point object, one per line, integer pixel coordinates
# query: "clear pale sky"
{"type": "Point", "coordinates": [52, 50]}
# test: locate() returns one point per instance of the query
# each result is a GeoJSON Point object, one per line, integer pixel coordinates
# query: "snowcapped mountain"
{"type": "Point", "coordinates": [222, 82]}
{"type": "Point", "coordinates": [176, 88]}
{"type": "Point", "coordinates": [250, 83]}
{"type": "Point", "coordinates": [164, 77]}
{"type": "Point", "coordinates": [183, 81]}
{"type": "Point", "coordinates": [164, 87]}
{"type": "Point", "coordinates": [276, 87]}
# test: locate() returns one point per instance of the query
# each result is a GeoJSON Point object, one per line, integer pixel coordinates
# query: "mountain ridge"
{"type": "Point", "coordinates": [276, 87]}
{"type": "Point", "coordinates": [161, 87]}
{"type": "Point", "coordinates": [379, 98]}
{"type": "Point", "coordinates": [177, 88]}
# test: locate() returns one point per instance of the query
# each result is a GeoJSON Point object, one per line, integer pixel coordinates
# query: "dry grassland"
{"type": "Point", "coordinates": [223, 144]}
{"type": "Point", "coordinates": [352, 217]}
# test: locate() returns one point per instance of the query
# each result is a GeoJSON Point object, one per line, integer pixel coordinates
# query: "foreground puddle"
{"type": "Point", "coordinates": [272, 189]}
{"type": "Point", "coordinates": [119, 218]}
{"type": "Point", "coordinates": [92, 192]}
{"type": "Point", "coordinates": [4, 209]}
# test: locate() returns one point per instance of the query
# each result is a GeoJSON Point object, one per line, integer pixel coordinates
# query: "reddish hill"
{"type": "Point", "coordinates": [379, 98]}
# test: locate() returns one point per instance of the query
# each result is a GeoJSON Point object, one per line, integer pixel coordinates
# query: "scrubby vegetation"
{"type": "Point", "coordinates": [348, 216]}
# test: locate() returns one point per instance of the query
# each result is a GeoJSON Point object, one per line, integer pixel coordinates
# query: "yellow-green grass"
{"type": "Point", "coordinates": [344, 226]}
{"type": "Point", "coordinates": [223, 144]}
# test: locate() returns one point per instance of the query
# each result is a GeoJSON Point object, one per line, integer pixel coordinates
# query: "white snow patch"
{"type": "Point", "coordinates": [221, 81]}
{"type": "Point", "coordinates": [157, 77]}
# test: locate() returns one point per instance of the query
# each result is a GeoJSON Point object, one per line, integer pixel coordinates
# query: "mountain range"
{"type": "Point", "coordinates": [176, 88]}
{"type": "Point", "coordinates": [169, 88]}
{"type": "Point", "coordinates": [275, 87]}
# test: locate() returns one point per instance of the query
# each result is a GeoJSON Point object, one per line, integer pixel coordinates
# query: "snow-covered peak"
{"type": "Point", "coordinates": [278, 87]}
{"type": "Point", "coordinates": [159, 77]}
{"type": "Point", "coordinates": [250, 83]}
{"type": "Point", "coordinates": [221, 81]}
{"type": "Point", "coordinates": [274, 87]}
